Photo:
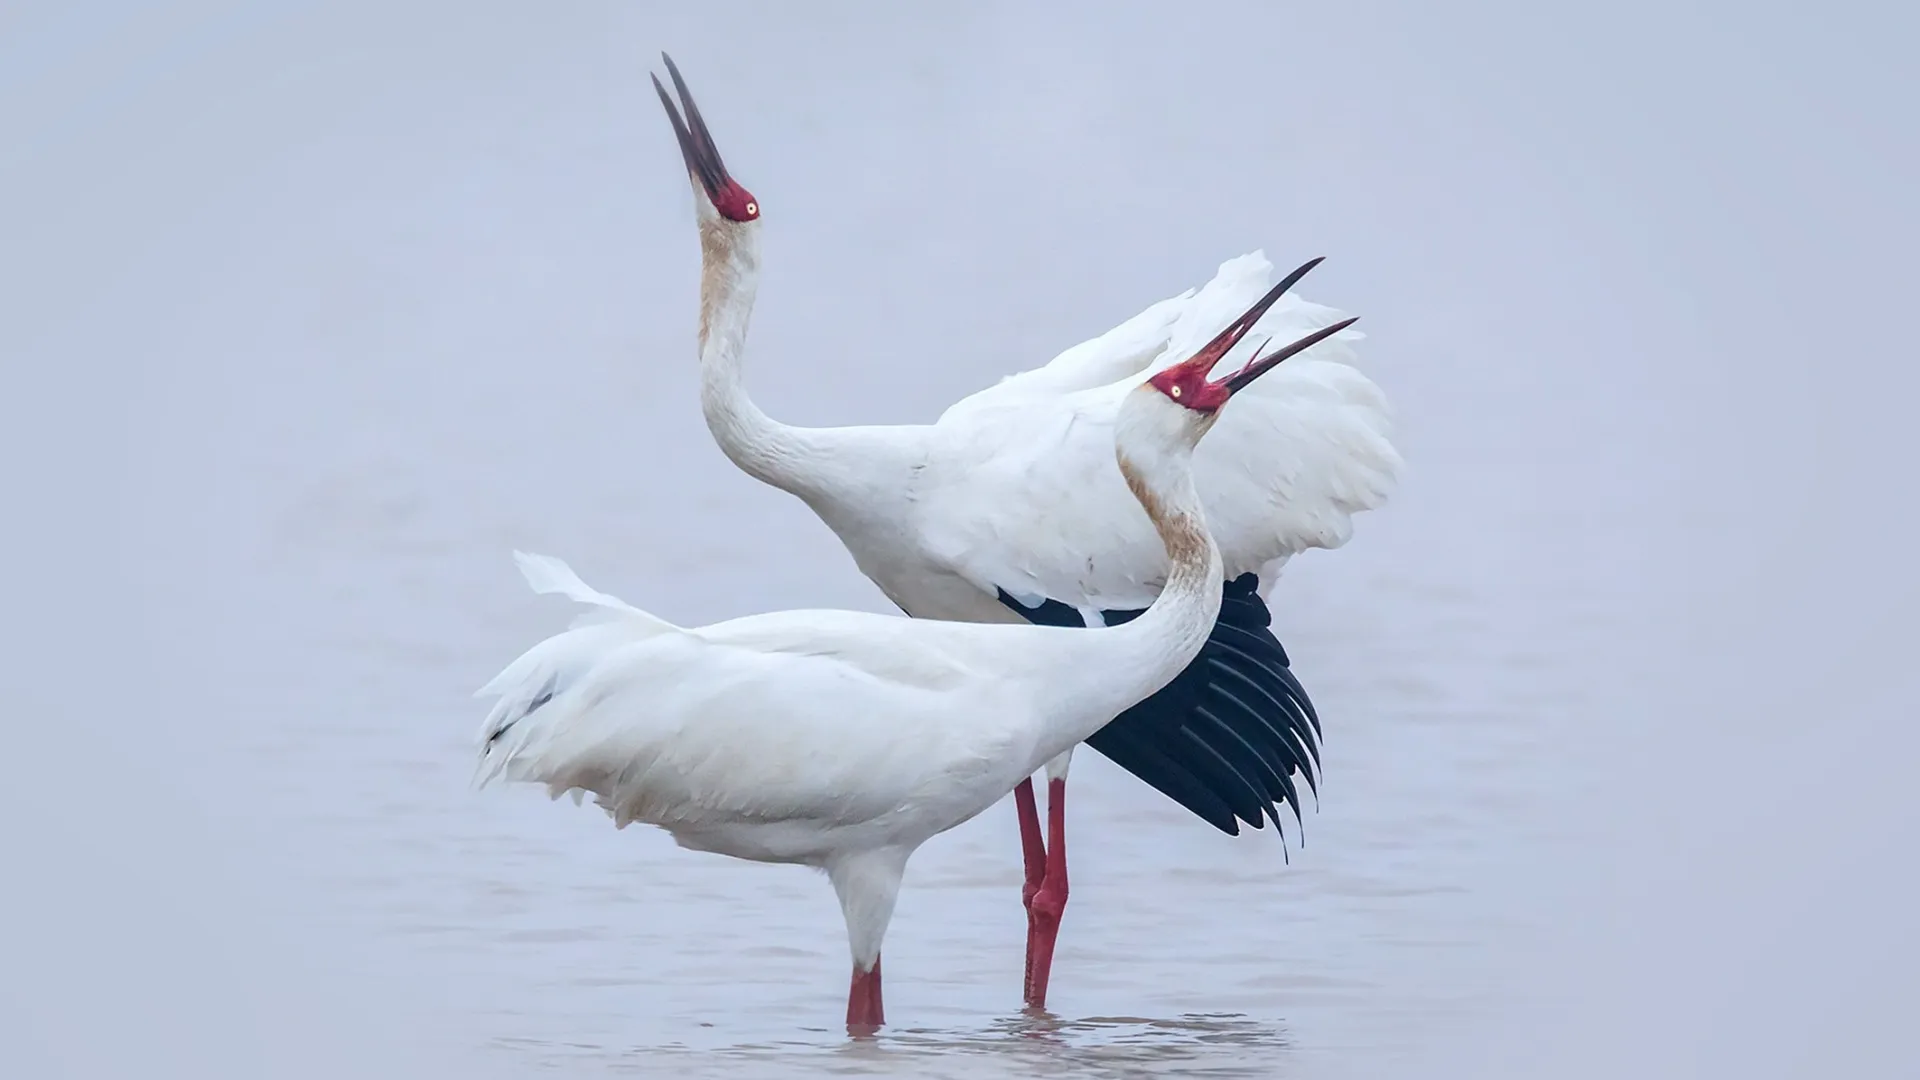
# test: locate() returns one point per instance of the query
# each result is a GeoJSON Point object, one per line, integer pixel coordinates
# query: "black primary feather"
{"type": "Point", "coordinates": [1225, 737]}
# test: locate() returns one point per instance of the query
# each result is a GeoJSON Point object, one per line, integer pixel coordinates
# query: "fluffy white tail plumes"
{"type": "Point", "coordinates": [532, 688]}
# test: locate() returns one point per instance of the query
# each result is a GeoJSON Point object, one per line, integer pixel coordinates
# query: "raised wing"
{"type": "Point", "coordinates": [1027, 497]}
{"type": "Point", "coordinates": [1023, 498]}
{"type": "Point", "coordinates": [1139, 345]}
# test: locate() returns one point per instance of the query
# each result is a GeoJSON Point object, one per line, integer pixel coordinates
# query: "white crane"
{"type": "Point", "coordinates": [1009, 508]}
{"type": "Point", "coordinates": [845, 740]}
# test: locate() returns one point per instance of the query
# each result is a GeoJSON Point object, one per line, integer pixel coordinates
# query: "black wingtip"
{"type": "Point", "coordinates": [1226, 736]}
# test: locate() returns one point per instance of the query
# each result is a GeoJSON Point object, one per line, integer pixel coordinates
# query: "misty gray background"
{"type": "Point", "coordinates": [311, 312]}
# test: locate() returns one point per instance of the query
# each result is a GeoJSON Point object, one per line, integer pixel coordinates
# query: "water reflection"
{"type": "Point", "coordinates": [1034, 1043]}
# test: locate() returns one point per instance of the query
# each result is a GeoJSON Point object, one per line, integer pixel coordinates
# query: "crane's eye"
{"type": "Point", "coordinates": [752, 209]}
{"type": "Point", "coordinates": [1175, 391]}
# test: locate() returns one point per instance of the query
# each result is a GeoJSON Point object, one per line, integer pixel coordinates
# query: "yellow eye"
{"type": "Point", "coordinates": [753, 208]}
{"type": "Point", "coordinates": [1175, 391]}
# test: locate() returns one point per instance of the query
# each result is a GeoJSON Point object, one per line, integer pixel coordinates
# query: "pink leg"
{"type": "Point", "coordinates": [1047, 903]}
{"type": "Point", "coordinates": [864, 1012]}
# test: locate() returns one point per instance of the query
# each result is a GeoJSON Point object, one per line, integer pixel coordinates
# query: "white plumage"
{"type": "Point", "coordinates": [768, 737]}
{"type": "Point", "coordinates": [1017, 493]}
{"type": "Point", "coordinates": [1013, 495]}
{"type": "Point", "coordinates": [844, 740]}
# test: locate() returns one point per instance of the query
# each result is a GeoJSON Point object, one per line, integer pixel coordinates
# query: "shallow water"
{"type": "Point", "coordinates": [1182, 948]}
{"type": "Point", "coordinates": [386, 294]}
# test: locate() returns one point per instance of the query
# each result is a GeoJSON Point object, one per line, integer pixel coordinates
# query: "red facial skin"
{"type": "Point", "coordinates": [735, 203]}
{"type": "Point", "coordinates": [1186, 384]}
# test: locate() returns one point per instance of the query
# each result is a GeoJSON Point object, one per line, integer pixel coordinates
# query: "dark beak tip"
{"type": "Point", "coordinates": [1239, 380]}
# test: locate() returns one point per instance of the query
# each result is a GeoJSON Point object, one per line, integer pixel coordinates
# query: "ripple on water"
{"type": "Point", "coordinates": [1223, 1045]}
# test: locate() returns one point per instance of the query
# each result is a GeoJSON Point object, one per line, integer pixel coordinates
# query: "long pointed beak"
{"type": "Point", "coordinates": [696, 142]}
{"type": "Point", "coordinates": [1223, 343]}
{"type": "Point", "coordinates": [1260, 365]}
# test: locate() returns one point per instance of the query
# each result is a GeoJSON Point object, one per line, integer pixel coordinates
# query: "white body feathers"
{"type": "Point", "coordinates": [1015, 487]}
{"type": "Point", "coordinates": [784, 737]}
{"type": "Point", "coordinates": [839, 739]}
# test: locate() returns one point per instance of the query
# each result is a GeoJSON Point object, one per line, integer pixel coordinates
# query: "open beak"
{"type": "Point", "coordinates": [1223, 343]}
{"type": "Point", "coordinates": [1260, 365]}
{"type": "Point", "coordinates": [696, 142]}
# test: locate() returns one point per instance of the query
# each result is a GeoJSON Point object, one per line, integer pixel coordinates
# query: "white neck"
{"type": "Point", "coordinates": [824, 466]}
{"type": "Point", "coordinates": [1139, 658]}
{"type": "Point", "coordinates": [764, 448]}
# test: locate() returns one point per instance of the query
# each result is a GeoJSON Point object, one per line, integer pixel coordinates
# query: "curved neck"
{"type": "Point", "coordinates": [762, 447]}
{"type": "Point", "coordinates": [845, 473]}
{"type": "Point", "coordinates": [1118, 667]}
{"type": "Point", "coordinates": [1169, 634]}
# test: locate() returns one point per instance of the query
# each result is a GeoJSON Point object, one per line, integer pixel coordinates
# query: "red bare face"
{"type": "Point", "coordinates": [702, 157]}
{"type": "Point", "coordinates": [734, 203]}
{"type": "Point", "coordinates": [1186, 383]}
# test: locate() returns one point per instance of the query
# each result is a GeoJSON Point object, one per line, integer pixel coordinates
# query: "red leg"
{"type": "Point", "coordinates": [864, 1012]}
{"type": "Point", "coordinates": [1050, 900]}
{"type": "Point", "coordinates": [1033, 853]}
